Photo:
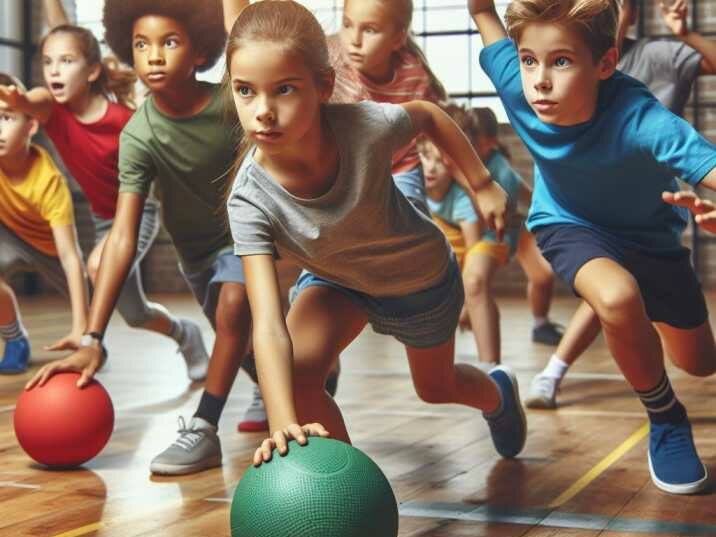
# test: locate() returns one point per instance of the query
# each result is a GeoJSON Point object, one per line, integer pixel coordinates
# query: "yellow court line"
{"type": "Point", "coordinates": [605, 463]}
{"type": "Point", "coordinates": [84, 530]}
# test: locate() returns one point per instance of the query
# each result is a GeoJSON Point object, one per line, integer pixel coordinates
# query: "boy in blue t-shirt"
{"type": "Point", "coordinates": [669, 68]}
{"type": "Point", "coordinates": [603, 208]}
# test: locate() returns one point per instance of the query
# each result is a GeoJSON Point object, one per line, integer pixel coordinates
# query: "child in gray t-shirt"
{"type": "Point", "coordinates": [317, 188]}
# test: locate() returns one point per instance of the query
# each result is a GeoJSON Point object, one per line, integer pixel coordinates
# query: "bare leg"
{"type": "Point", "coordinates": [690, 349]}
{"type": "Point", "coordinates": [540, 278]}
{"type": "Point", "coordinates": [437, 379]}
{"type": "Point", "coordinates": [8, 304]}
{"type": "Point", "coordinates": [233, 328]}
{"type": "Point", "coordinates": [322, 322]}
{"type": "Point", "coordinates": [614, 295]}
{"type": "Point", "coordinates": [582, 330]}
{"type": "Point", "coordinates": [481, 306]}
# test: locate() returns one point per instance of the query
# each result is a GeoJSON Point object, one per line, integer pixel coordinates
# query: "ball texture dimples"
{"type": "Point", "coordinates": [325, 489]}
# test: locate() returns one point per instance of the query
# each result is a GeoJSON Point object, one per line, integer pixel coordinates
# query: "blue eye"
{"type": "Point", "coordinates": [563, 61]}
{"type": "Point", "coordinates": [528, 61]}
{"type": "Point", "coordinates": [243, 91]}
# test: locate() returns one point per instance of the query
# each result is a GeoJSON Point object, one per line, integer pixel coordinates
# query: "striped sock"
{"type": "Point", "coordinates": [13, 330]}
{"type": "Point", "coordinates": [661, 403]}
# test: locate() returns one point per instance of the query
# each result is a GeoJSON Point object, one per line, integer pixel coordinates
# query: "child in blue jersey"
{"type": "Point", "coordinates": [670, 69]}
{"type": "Point", "coordinates": [479, 252]}
{"type": "Point", "coordinates": [604, 208]}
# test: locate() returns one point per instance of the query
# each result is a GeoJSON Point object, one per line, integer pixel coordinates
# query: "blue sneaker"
{"type": "Point", "coordinates": [17, 354]}
{"type": "Point", "coordinates": [508, 425]}
{"type": "Point", "coordinates": [674, 465]}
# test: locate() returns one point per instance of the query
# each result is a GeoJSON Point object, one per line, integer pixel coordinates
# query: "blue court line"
{"type": "Point", "coordinates": [553, 519]}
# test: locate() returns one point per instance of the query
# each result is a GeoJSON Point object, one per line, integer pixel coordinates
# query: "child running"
{"type": "Point", "coordinates": [77, 110]}
{"type": "Point", "coordinates": [479, 253]}
{"type": "Point", "coordinates": [179, 142]}
{"type": "Point", "coordinates": [669, 69]}
{"type": "Point", "coordinates": [37, 225]}
{"type": "Point", "coordinates": [604, 210]}
{"type": "Point", "coordinates": [314, 185]}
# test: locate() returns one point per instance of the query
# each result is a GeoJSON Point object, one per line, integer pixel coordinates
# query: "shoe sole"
{"type": "Point", "coordinates": [253, 426]}
{"type": "Point", "coordinates": [183, 469]}
{"type": "Point", "coordinates": [540, 403]}
{"type": "Point", "coordinates": [682, 488]}
{"type": "Point", "coordinates": [516, 394]}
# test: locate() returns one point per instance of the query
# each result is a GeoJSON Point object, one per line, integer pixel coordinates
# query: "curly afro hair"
{"type": "Point", "coordinates": [202, 20]}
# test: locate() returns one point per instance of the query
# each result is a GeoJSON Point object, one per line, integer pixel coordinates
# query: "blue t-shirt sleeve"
{"type": "Point", "coordinates": [463, 211]}
{"type": "Point", "coordinates": [676, 144]}
{"type": "Point", "coordinates": [501, 63]}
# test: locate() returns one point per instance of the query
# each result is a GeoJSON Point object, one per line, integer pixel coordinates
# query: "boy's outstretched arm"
{"type": "Point", "coordinates": [232, 9]}
{"type": "Point", "coordinates": [704, 210]}
{"type": "Point", "coordinates": [488, 23]}
{"type": "Point", "coordinates": [676, 19]}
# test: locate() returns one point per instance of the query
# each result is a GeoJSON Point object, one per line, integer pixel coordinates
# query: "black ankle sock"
{"type": "Point", "coordinates": [210, 408]}
{"type": "Point", "coordinates": [661, 403]}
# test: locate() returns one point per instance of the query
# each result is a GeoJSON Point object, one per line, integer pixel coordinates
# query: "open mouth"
{"type": "Point", "coordinates": [57, 86]}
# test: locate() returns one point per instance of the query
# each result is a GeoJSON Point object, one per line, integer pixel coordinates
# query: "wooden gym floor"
{"type": "Point", "coordinates": [583, 472]}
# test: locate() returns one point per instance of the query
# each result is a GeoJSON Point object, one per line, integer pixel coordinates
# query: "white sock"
{"type": "Point", "coordinates": [539, 321]}
{"type": "Point", "coordinates": [556, 368]}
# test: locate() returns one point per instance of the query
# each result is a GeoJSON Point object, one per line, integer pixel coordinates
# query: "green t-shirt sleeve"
{"type": "Point", "coordinates": [136, 169]}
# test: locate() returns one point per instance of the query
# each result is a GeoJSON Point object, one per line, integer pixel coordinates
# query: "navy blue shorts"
{"type": "Point", "coordinates": [669, 286]}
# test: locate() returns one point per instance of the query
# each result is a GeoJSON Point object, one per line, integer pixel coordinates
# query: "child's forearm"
{"type": "Point", "coordinates": [36, 103]}
{"type": "Point", "coordinates": [117, 259]}
{"type": "Point", "coordinates": [271, 340]}
{"type": "Point", "coordinates": [55, 14]}
{"type": "Point", "coordinates": [706, 47]}
{"type": "Point", "coordinates": [232, 10]}
{"type": "Point", "coordinates": [709, 180]}
{"type": "Point", "coordinates": [274, 359]}
{"type": "Point", "coordinates": [487, 20]}
{"type": "Point", "coordinates": [450, 139]}
{"type": "Point", "coordinates": [77, 285]}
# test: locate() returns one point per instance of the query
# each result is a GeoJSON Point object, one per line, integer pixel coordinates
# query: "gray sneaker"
{"type": "Point", "coordinates": [197, 448]}
{"type": "Point", "coordinates": [543, 392]}
{"type": "Point", "coordinates": [193, 350]}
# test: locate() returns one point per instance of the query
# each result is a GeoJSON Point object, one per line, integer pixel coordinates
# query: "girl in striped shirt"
{"type": "Point", "coordinates": [376, 59]}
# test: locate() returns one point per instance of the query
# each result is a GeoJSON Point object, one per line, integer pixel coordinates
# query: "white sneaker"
{"type": "Point", "coordinates": [255, 419]}
{"type": "Point", "coordinates": [193, 351]}
{"type": "Point", "coordinates": [542, 393]}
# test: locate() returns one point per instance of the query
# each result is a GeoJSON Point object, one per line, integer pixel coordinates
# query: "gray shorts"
{"type": "Point", "coordinates": [132, 303]}
{"type": "Point", "coordinates": [206, 285]}
{"type": "Point", "coordinates": [48, 266]}
{"type": "Point", "coordinates": [424, 319]}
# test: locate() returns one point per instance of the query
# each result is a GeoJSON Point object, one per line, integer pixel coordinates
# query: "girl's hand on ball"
{"type": "Point", "coordinates": [280, 439]}
{"type": "Point", "coordinates": [86, 361]}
